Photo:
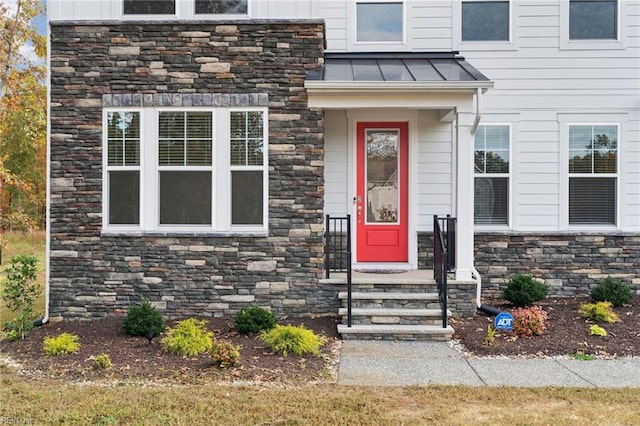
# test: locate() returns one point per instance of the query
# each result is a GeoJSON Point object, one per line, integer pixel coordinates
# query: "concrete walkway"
{"type": "Point", "coordinates": [381, 363]}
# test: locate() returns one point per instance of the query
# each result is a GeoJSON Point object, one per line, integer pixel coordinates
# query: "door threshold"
{"type": "Point", "coordinates": [382, 266]}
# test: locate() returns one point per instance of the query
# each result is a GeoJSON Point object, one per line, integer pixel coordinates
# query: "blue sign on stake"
{"type": "Point", "coordinates": [504, 321]}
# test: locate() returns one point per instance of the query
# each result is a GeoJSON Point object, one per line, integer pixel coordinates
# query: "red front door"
{"type": "Point", "coordinates": [381, 195]}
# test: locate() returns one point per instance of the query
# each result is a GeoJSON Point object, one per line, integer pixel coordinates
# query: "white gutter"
{"type": "Point", "coordinates": [341, 87]}
{"type": "Point", "coordinates": [45, 319]}
{"type": "Point", "coordinates": [478, 278]}
{"type": "Point", "coordinates": [476, 121]}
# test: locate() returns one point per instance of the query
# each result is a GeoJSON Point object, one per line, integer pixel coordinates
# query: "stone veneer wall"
{"type": "Point", "coordinates": [231, 63]}
{"type": "Point", "coordinates": [571, 264]}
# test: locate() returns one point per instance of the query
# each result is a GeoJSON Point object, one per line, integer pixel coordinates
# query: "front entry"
{"type": "Point", "coordinates": [382, 192]}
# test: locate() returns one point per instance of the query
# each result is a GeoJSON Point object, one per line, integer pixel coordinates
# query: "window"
{"type": "Point", "coordinates": [593, 153]}
{"type": "Point", "coordinates": [491, 183]}
{"type": "Point", "coordinates": [593, 20]}
{"type": "Point", "coordinates": [379, 22]}
{"type": "Point", "coordinates": [485, 21]}
{"type": "Point", "coordinates": [221, 7]}
{"type": "Point", "coordinates": [149, 7]}
{"type": "Point", "coordinates": [186, 169]}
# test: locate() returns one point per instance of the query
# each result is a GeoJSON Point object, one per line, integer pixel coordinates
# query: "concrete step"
{"type": "Point", "coordinates": [366, 295]}
{"type": "Point", "coordinates": [362, 316]}
{"type": "Point", "coordinates": [395, 332]}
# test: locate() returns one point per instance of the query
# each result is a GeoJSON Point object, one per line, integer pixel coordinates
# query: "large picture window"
{"type": "Point", "coordinates": [491, 183]}
{"type": "Point", "coordinates": [485, 21]}
{"type": "Point", "coordinates": [149, 7]}
{"type": "Point", "coordinates": [221, 7]}
{"type": "Point", "coordinates": [593, 20]}
{"type": "Point", "coordinates": [186, 169]}
{"type": "Point", "coordinates": [593, 166]}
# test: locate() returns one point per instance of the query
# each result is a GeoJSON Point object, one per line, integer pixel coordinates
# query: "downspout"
{"type": "Point", "coordinates": [482, 308]}
{"type": "Point", "coordinates": [45, 319]}
{"type": "Point", "coordinates": [476, 121]}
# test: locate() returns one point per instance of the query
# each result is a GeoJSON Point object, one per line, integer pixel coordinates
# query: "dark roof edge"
{"type": "Point", "coordinates": [393, 55]}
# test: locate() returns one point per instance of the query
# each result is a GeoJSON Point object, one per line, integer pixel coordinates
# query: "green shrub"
{"type": "Point", "coordinates": [188, 337]}
{"type": "Point", "coordinates": [254, 319]}
{"type": "Point", "coordinates": [596, 330]}
{"type": "Point", "coordinates": [102, 362]}
{"type": "Point", "coordinates": [523, 290]}
{"type": "Point", "coordinates": [528, 322]}
{"type": "Point", "coordinates": [63, 344]}
{"type": "Point", "coordinates": [613, 291]}
{"type": "Point", "coordinates": [20, 293]}
{"type": "Point", "coordinates": [600, 311]}
{"type": "Point", "coordinates": [297, 340]}
{"type": "Point", "coordinates": [225, 354]}
{"type": "Point", "coordinates": [143, 320]}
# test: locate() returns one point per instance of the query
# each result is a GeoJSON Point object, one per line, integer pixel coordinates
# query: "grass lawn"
{"type": "Point", "coordinates": [24, 243]}
{"type": "Point", "coordinates": [54, 402]}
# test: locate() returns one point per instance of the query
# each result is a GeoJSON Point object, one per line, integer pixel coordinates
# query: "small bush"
{"type": "Point", "coordinates": [613, 291]}
{"type": "Point", "coordinates": [528, 322]}
{"type": "Point", "coordinates": [20, 293]}
{"type": "Point", "coordinates": [596, 330]}
{"type": "Point", "coordinates": [225, 354]}
{"type": "Point", "coordinates": [523, 290]}
{"type": "Point", "coordinates": [600, 311]}
{"type": "Point", "coordinates": [102, 362]}
{"type": "Point", "coordinates": [189, 337]}
{"type": "Point", "coordinates": [143, 320]}
{"type": "Point", "coordinates": [63, 344]}
{"type": "Point", "coordinates": [297, 340]}
{"type": "Point", "coordinates": [254, 319]}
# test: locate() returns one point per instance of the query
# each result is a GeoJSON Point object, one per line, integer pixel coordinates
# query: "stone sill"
{"type": "Point", "coordinates": [181, 21]}
{"type": "Point", "coordinates": [191, 234]}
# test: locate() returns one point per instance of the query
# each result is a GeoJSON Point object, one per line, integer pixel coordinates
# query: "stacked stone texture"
{"type": "Point", "coordinates": [572, 264]}
{"type": "Point", "coordinates": [239, 63]}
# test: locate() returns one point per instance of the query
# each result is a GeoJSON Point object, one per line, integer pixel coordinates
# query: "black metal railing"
{"type": "Point", "coordinates": [444, 232]}
{"type": "Point", "coordinates": [337, 252]}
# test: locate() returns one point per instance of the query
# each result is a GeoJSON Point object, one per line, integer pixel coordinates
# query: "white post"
{"type": "Point", "coordinates": [464, 196]}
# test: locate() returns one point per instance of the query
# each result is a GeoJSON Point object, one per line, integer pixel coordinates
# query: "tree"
{"type": "Point", "coordinates": [22, 116]}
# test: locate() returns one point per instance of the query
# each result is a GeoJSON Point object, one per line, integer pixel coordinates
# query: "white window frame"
{"type": "Point", "coordinates": [566, 121]}
{"type": "Point", "coordinates": [567, 44]}
{"type": "Point", "coordinates": [509, 176]}
{"type": "Point", "coordinates": [459, 44]}
{"type": "Point", "coordinates": [220, 175]}
{"type": "Point", "coordinates": [352, 29]}
{"type": "Point", "coordinates": [184, 9]}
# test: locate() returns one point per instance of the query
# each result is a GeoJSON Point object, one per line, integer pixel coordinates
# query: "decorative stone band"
{"type": "Point", "coordinates": [185, 99]}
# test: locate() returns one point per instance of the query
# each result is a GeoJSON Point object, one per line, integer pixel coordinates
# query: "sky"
{"type": "Point", "coordinates": [40, 22]}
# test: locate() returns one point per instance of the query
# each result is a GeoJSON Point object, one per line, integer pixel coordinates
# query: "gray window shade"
{"type": "Point", "coordinates": [491, 201]}
{"type": "Point", "coordinates": [185, 138]}
{"type": "Point", "coordinates": [247, 197]}
{"type": "Point", "coordinates": [124, 197]}
{"type": "Point", "coordinates": [221, 7]}
{"type": "Point", "coordinates": [149, 7]}
{"type": "Point", "coordinates": [185, 198]}
{"type": "Point", "coordinates": [592, 200]}
{"type": "Point", "coordinates": [485, 21]}
{"type": "Point", "coordinates": [593, 20]}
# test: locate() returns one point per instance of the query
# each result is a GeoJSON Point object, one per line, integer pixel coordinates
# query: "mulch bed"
{"type": "Point", "coordinates": [134, 359]}
{"type": "Point", "coordinates": [567, 332]}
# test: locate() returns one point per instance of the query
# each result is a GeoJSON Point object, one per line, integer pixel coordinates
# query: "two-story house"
{"type": "Point", "coordinates": [196, 146]}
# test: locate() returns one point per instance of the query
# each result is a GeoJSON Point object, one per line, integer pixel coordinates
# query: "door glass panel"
{"type": "Point", "coordinates": [382, 196]}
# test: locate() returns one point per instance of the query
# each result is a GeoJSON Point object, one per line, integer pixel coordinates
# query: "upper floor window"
{"type": "Point", "coordinates": [149, 7]}
{"type": "Point", "coordinates": [168, 7]}
{"type": "Point", "coordinates": [593, 20]}
{"type": "Point", "coordinates": [221, 7]}
{"type": "Point", "coordinates": [491, 182]}
{"type": "Point", "coordinates": [379, 21]}
{"type": "Point", "coordinates": [485, 21]}
{"type": "Point", "coordinates": [593, 153]}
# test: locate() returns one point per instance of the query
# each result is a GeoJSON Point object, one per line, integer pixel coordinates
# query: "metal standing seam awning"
{"type": "Point", "coordinates": [393, 73]}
